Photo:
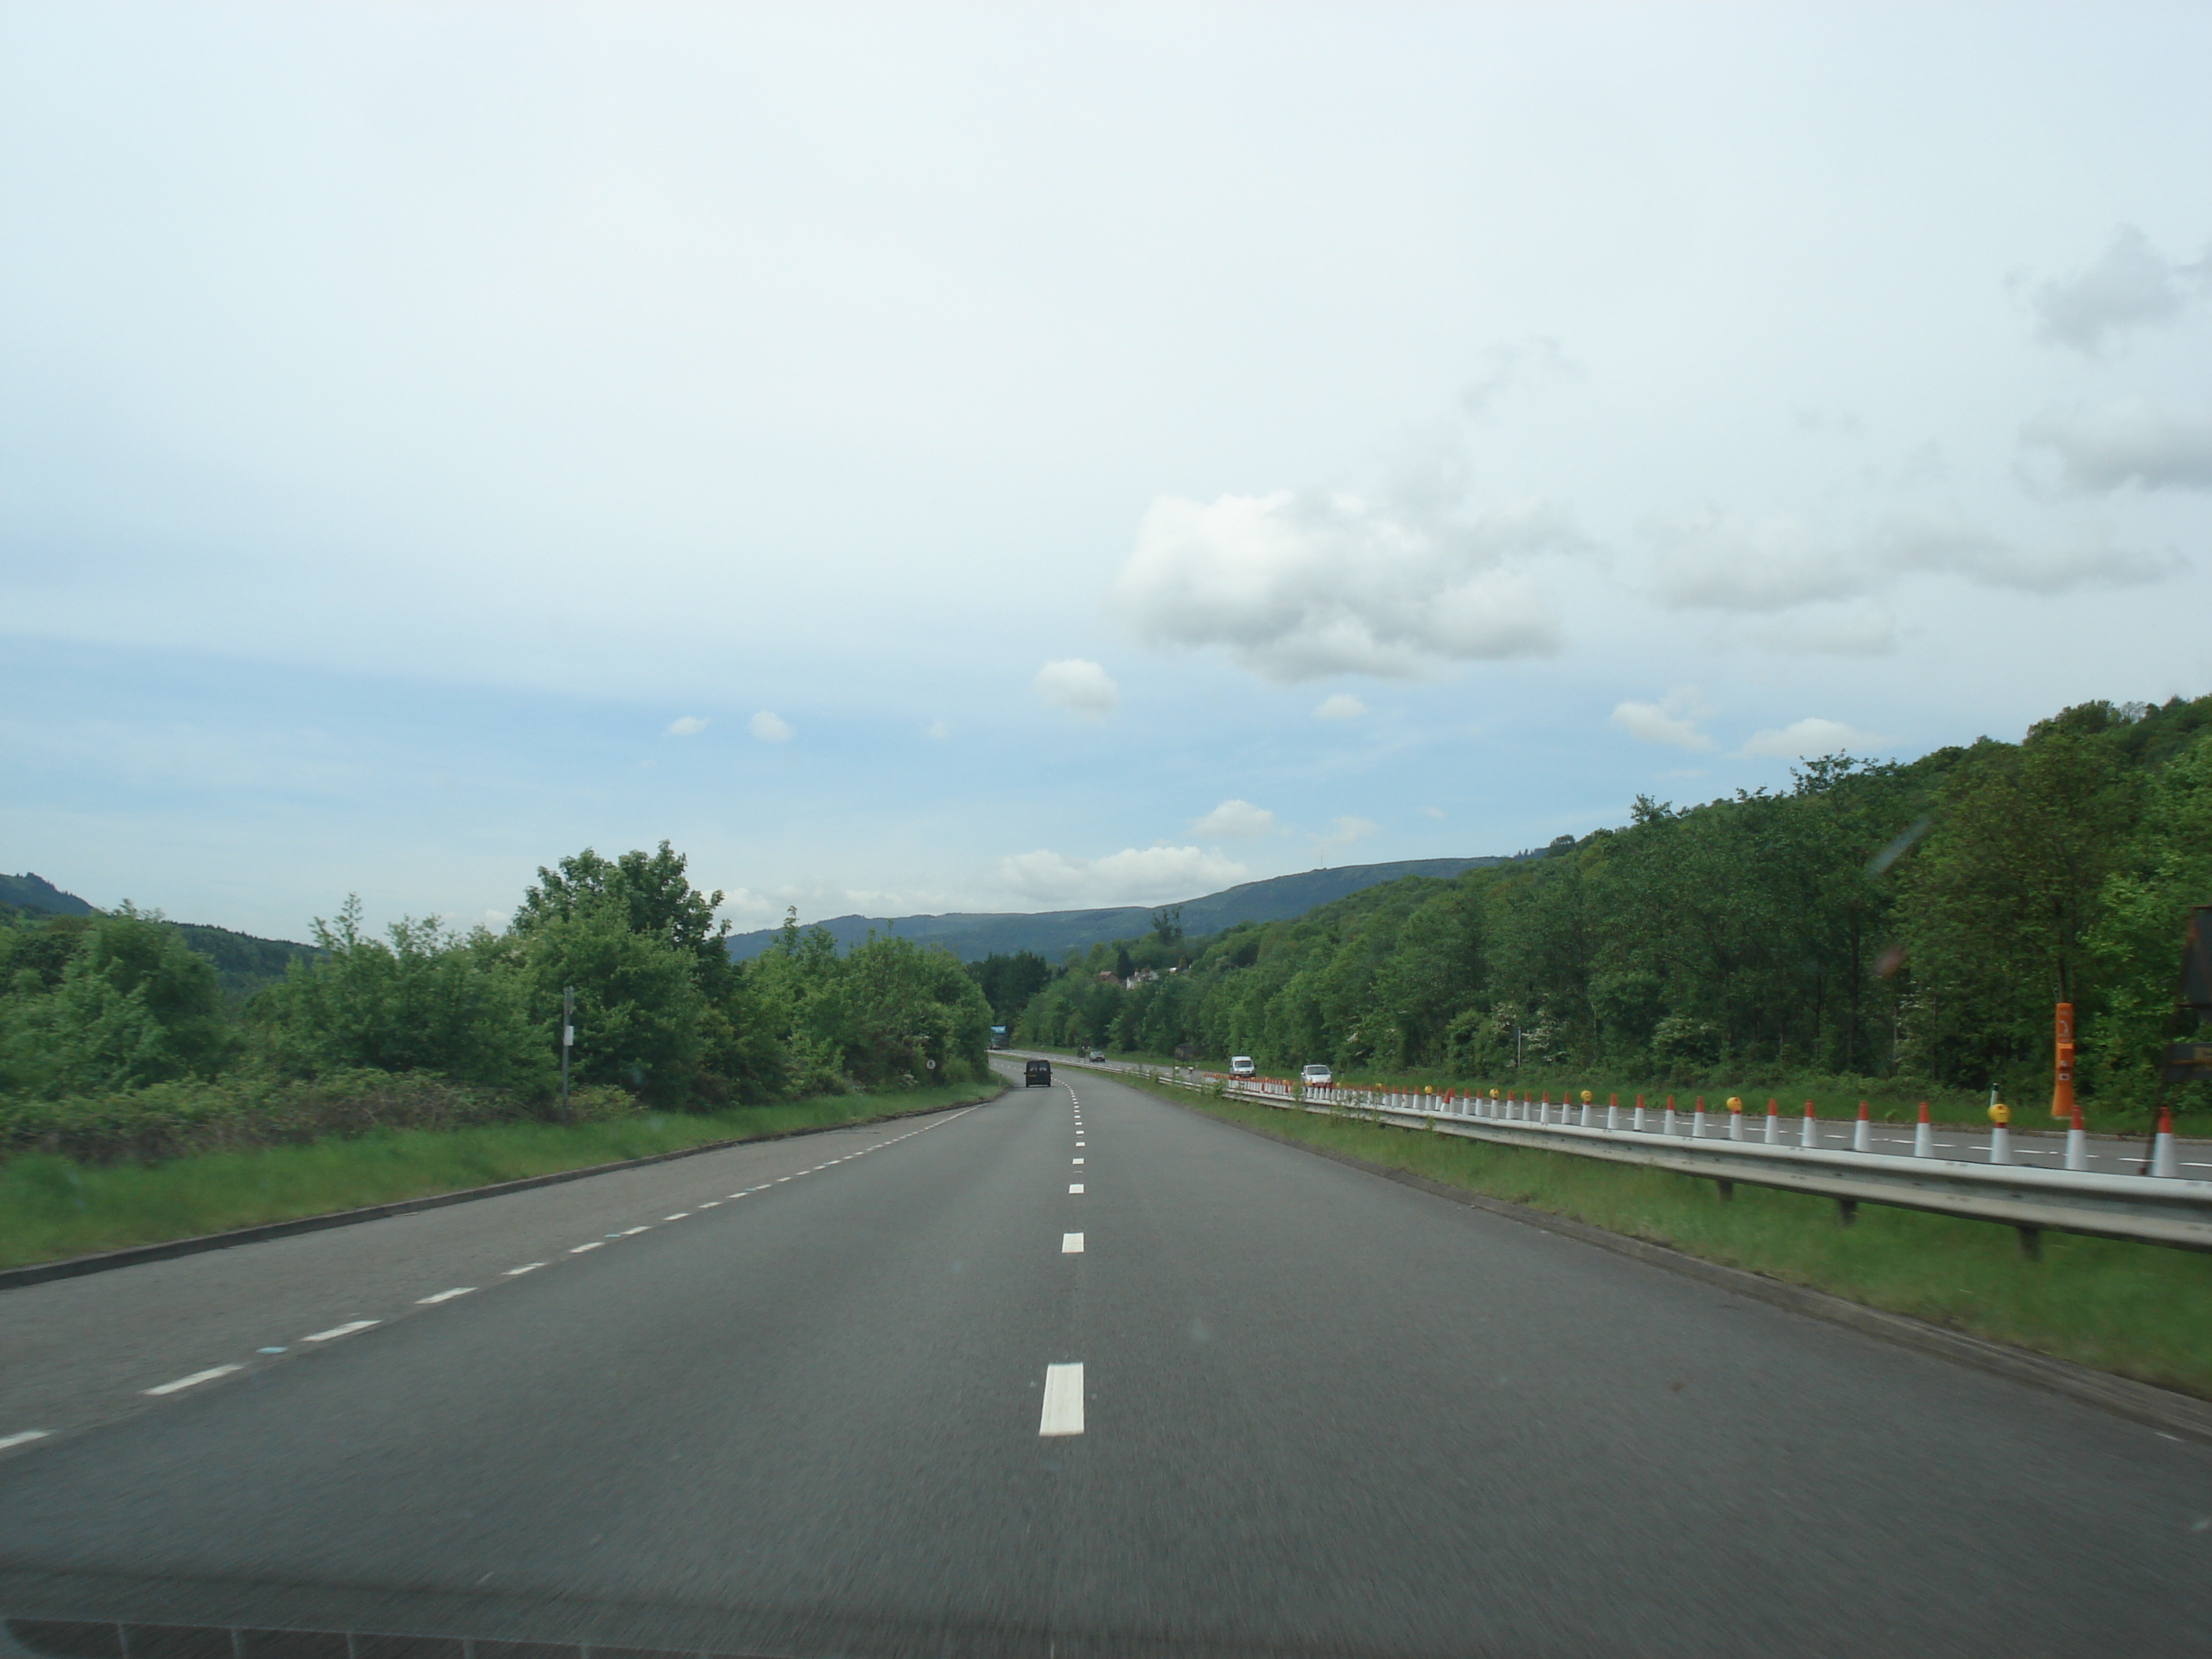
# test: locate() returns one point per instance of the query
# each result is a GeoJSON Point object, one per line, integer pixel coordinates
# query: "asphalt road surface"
{"type": "Point", "coordinates": [1076, 1372]}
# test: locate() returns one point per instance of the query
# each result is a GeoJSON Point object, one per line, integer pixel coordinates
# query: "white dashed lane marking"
{"type": "Point", "coordinates": [1063, 1401]}
{"type": "Point", "coordinates": [196, 1378]}
{"type": "Point", "coordinates": [1074, 1186]}
{"type": "Point", "coordinates": [526, 1267]}
{"type": "Point", "coordinates": [581, 1249]}
{"type": "Point", "coordinates": [678, 1216]}
{"type": "Point", "coordinates": [446, 1296]}
{"type": "Point", "coordinates": [346, 1329]}
{"type": "Point", "coordinates": [1071, 1244]}
{"type": "Point", "coordinates": [21, 1439]}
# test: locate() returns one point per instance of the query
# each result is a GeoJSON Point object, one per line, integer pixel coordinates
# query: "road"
{"type": "Point", "coordinates": [1316, 1412]}
{"type": "Point", "coordinates": [2031, 1144]}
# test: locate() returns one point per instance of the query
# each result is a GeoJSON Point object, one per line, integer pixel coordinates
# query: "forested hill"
{"type": "Point", "coordinates": [32, 892]}
{"type": "Point", "coordinates": [972, 936]}
{"type": "Point", "coordinates": [243, 964]}
{"type": "Point", "coordinates": [1915, 920]}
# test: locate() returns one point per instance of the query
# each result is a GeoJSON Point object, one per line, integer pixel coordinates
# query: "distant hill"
{"type": "Point", "coordinates": [30, 892]}
{"type": "Point", "coordinates": [971, 936]}
{"type": "Point", "coordinates": [243, 964]}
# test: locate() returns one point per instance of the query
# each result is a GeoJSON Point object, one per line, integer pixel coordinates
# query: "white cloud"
{"type": "Point", "coordinates": [769, 728]}
{"type": "Point", "coordinates": [1866, 631]}
{"type": "Point", "coordinates": [1341, 707]}
{"type": "Point", "coordinates": [1238, 818]}
{"type": "Point", "coordinates": [1302, 585]}
{"type": "Point", "coordinates": [1714, 561]}
{"type": "Point", "coordinates": [1343, 832]}
{"type": "Point", "coordinates": [1433, 811]}
{"type": "Point", "coordinates": [2132, 441]}
{"type": "Point", "coordinates": [1727, 563]}
{"type": "Point", "coordinates": [936, 729]}
{"type": "Point", "coordinates": [2133, 285]}
{"type": "Point", "coordinates": [688, 726]}
{"type": "Point", "coordinates": [1080, 686]}
{"type": "Point", "coordinates": [1150, 875]}
{"type": "Point", "coordinates": [1810, 736]}
{"type": "Point", "coordinates": [1671, 720]}
{"type": "Point", "coordinates": [1532, 361]}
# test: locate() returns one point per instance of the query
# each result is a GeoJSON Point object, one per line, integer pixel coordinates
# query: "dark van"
{"type": "Point", "coordinates": [1037, 1074]}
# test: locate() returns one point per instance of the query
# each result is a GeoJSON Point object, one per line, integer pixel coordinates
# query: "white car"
{"type": "Point", "coordinates": [1313, 1074]}
{"type": "Point", "coordinates": [1242, 1065]}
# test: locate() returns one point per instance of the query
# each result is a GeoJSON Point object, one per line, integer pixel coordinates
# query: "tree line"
{"type": "Point", "coordinates": [1913, 921]}
{"type": "Point", "coordinates": [94, 1007]}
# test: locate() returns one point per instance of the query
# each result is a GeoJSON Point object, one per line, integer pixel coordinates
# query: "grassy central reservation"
{"type": "Point", "coordinates": [2133, 1309]}
{"type": "Point", "coordinates": [52, 1206]}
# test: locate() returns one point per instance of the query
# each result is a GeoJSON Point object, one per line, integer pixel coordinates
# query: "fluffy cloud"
{"type": "Point", "coordinates": [1302, 585]}
{"type": "Point", "coordinates": [1341, 707]}
{"type": "Point", "coordinates": [2133, 441]}
{"type": "Point", "coordinates": [1717, 562]}
{"type": "Point", "coordinates": [769, 728]}
{"type": "Point", "coordinates": [1672, 721]}
{"type": "Point", "coordinates": [2132, 286]}
{"type": "Point", "coordinates": [1082, 688]}
{"type": "Point", "coordinates": [1535, 361]}
{"type": "Point", "coordinates": [1864, 631]}
{"type": "Point", "coordinates": [1237, 818]}
{"type": "Point", "coordinates": [1150, 875]}
{"type": "Point", "coordinates": [936, 729]}
{"type": "Point", "coordinates": [1343, 832]}
{"type": "Point", "coordinates": [688, 726]}
{"type": "Point", "coordinates": [1809, 736]}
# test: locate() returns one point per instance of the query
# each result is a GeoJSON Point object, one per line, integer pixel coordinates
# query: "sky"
{"type": "Point", "coordinates": [917, 457]}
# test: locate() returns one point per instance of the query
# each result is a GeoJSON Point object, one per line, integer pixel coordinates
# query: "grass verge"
{"type": "Point", "coordinates": [52, 1206]}
{"type": "Point", "coordinates": [2137, 1310]}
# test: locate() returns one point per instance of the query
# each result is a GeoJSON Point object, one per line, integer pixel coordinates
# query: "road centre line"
{"type": "Point", "coordinates": [196, 1378]}
{"type": "Point", "coordinates": [593, 1245]}
{"type": "Point", "coordinates": [630, 1232]}
{"type": "Point", "coordinates": [21, 1438]}
{"type": "Point", "coordinates": [678, 1216]}
{"type": "Point", "coordinates": [526, 1267]}
{"type": "Point", "coordinates": [443, 1296]}
{"type": "Point", "coordinates": [1063, 1401]}
{"type": "Point", "coordinates": [1071, 1244]}
{"type": "Point", "coordinates": [346, 1329]}
{"type": "Point", "coordinates": [1074, 1186]}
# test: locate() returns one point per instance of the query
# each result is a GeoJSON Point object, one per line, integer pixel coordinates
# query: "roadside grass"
{"type": "Point", "coordinates": [2139, 1310]}
{"type": "Point", "coordinates": [54, 1206]}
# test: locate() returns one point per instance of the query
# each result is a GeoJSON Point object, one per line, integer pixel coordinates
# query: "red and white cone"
{"type": "Point", "coordinates": [1698, 1120]}
{"type": "Point", "coordinates": [1773, 1123]}
{"type": "Point", "coordinates": [1613, 1111]}
{"type": "Point", "coordinates": [2162, 1160]}
{"type": "Point", "coordinates": [1862, 1132]}
{"type": "Point", "coordinates": [1923, 1135]}
{"type": "Point", "coordinates": [1639, 1115]}
{"type": "Point", "coordinates": [1670, 1115]}
{"type": "Point", "coordinates": [2077, 1143]}
{"type": "Point", "coordinates": [1810, 1134]}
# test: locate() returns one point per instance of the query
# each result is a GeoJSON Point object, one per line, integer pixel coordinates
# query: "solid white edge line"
{"type": "Point", "coordinates": [1063, 1401]}
{"type": "Point", "coordinates": [21, 1439]}
{"type": "Point", "coordinates": [1071, 1244]}
{"type": "Point", "coordinates": [208, 1375]}
{"type": "Point", "coordinates": [443, 1296]}
{"type": "Point", "coordinates": [346, 1329]}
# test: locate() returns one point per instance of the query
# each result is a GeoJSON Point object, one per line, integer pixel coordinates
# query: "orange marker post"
{"type": "Point", "coordinates": [2062, 1085]}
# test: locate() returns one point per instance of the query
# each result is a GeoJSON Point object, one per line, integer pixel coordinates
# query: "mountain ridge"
{"type": "Point", "coordinates": [974, 934]}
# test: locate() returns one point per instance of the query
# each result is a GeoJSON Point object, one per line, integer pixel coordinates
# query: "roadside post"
{"type": "Point", "coordinates": [2061, 1081]}
{"type": "Point", "coordinates": [568, 1041]}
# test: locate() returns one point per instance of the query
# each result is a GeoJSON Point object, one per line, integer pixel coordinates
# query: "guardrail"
{"type": "Point", "coordinates": [2160, 1207]}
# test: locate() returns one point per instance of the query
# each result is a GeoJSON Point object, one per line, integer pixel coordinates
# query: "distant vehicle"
{"type": "Point", "coordinates": [1242, 1065]}
{"type": "Point", "coordinates": [1313, 1074]}
{"type": "Point", "coordinates": [1036, 1073]}
{"type": "Point", "coordinates": [1098, 1057]}
{"type": "Point", "coordinates": [997, 1036]}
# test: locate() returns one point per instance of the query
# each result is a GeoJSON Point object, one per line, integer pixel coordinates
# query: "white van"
{"type": "Point", "coordinates": [1242, 1065]}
